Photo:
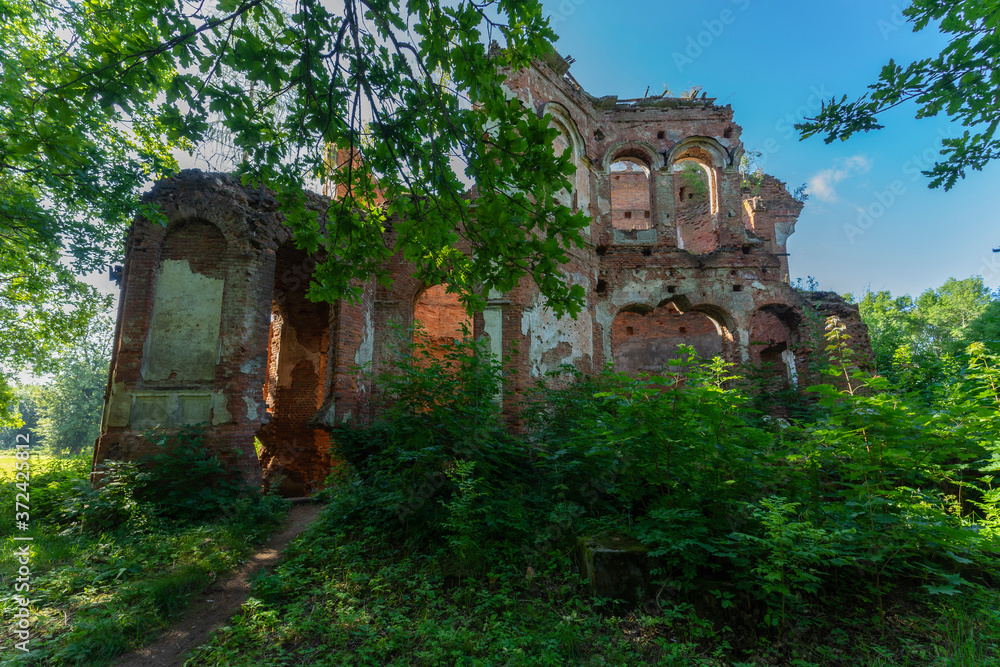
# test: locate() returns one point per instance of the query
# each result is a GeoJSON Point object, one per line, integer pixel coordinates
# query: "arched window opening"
{"type": "Point", "coordinates": [439, 318]}
{"type": "Point", "coordinates": [562, 144]}
{"type": "Point", "coordinates": [630, 199]}
{"type": "Point", "coordinates": [648, 341]}
{"type": "Point", "coordinates": [694, 203]}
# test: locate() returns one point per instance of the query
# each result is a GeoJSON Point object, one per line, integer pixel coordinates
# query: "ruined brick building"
{"type": "Point", "coordinates": [214, 326]}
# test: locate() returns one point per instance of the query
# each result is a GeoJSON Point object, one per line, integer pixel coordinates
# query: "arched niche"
{"type": "Point", "coordinates": [773, 332]}
{"type": "Point", "coordinates": [572, 140]}
{"type": "Point", "coordinates": [185, 326]}
{"type": "Point", "coordinates": [645, 339]}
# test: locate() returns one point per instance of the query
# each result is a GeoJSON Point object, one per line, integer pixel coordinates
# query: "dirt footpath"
{"type": "Point", "coordinates": [211, 609]}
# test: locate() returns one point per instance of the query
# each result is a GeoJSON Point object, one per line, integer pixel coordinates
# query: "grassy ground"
{"type": "Point", "coordinates": [344, 597]}
{"type": "Point", "coordinates": [106, 576]}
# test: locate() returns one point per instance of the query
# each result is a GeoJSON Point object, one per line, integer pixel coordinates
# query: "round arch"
{"type": "Point", "coordinates": [705, 149]}
{"type": "Point", "coordinates": [772, 333]}
{"type": "Point", "coordinates": [569, 132]}
{"type": "Point", "coordinates": [564, 120]}
{"type": "Point", "coordinates": [725, 322]}
{"type": "Point", "coordinates": [639, 151]}
{"type": "Point", "coordinates": [647, 339]}
{"type": "Point", "coordinates": [438, 317]}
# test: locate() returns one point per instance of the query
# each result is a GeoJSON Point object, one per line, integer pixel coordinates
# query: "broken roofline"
{"type": "Point", "coordinates": [561, 66]}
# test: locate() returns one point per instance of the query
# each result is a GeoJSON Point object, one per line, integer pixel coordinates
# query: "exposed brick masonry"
{"type": "Point", "coordinates": [707, 267]}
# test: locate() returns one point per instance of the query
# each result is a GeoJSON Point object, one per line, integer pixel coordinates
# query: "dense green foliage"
{"type": "Point", "coordinates": [28, 417]}
{"type": "Point", "coordinates": [867, 534]}
{"type": "Point", "coordinates": [70, 170]}
{"type": "Point", "coordinates": [96, 96]}
{"type": "Point", "coordinates": [64, 413]}
{"type": "Point", "coordinates": [917, 342]}
{"type": "Point", "coordinates": [112, 566]}
{"type": "Point", "coordinates": [69, 406]}
{"type": "Point", "coordinates": [962, 82]}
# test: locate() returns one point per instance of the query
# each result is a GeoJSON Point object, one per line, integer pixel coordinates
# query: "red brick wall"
{"type": "Point", "coordinates": [693, 208]}
{"type": "Point", "coordinates": [222, 230]}
{"type": "Point", "coordinates": [291, 449]}
{"type": "Point", "coordinates": [718, 272]}
{"type": "Point", "coordinates": [647, 341]}
{"type": "Point", "coordinates": [630, 201]}
{"type": "Point", "coordinates": [441, 317]}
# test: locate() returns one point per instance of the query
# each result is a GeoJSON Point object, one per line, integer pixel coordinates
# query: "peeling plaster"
{"type": "Point", "coordinates": [119, 406]}
{"type": "Point", "coordinates": [782, 230]}
{"type": "Point", "coordinates": [290, 352]}
{"type": "Point", "coordinates": [793, 375]}
{"type": "Point", "coordinates": [493, 326]}
{"type": "Point", "coordinates": [744, 336]}
{"type": "Point", "coordinates": [366, 350]}
{"type": "Point", "coordinates": [554, 341]}
{"type": "Point", "coordinates": [251, 409]}
{"type": "Point", "coordinates": [220, 415]}
{"type": "Point", "coordinates": [183, 339]}
{"type": "Point", "coordinates": [251, 367]}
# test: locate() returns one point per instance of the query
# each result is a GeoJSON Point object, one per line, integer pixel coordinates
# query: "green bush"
{"type": "Point", "coordinates": [438, 436]}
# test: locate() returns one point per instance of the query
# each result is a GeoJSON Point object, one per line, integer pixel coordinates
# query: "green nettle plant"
{"type": "Point", "coordinates": [463, 510]}
{"type": "Point", "coordinates": [438, 461]}
{"type": "Point", "coordinates": [768, 541]}
{"type": "Point", "coordinates": [791, 555]}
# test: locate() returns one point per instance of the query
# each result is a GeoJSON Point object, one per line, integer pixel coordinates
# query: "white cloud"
{"type": "Point", "coordinates": [823, 184]}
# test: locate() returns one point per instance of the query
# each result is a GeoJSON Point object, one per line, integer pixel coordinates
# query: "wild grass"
{"type": "Point", "coordinates": [108, 570]}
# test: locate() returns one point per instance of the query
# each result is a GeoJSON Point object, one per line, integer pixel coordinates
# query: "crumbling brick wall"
{"type": "Point", "coordinates": [709, 270]}
{"type": "Point", "coordinates": [630, 207]}
{"type": "Point", "coordinates": [295, 454]}
{"type": "Point", "coordinates": [649, 341]}
{"type": "Point", "coordinates": [441, 317]}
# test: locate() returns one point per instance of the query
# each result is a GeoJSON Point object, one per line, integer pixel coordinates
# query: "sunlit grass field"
{"type": "Point", "coordinates": [43, 462]}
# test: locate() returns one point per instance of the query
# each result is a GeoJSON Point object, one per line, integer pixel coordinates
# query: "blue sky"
{"type": "Point", "coordinates": [773, 61]}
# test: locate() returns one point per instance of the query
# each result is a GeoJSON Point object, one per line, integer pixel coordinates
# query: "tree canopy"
{"type": "Point", "coordinates": [97, 97]}
{"type": "Point", "coordinates": [938, 323]}
{"type": "Point", "coordinates": [962, 82]}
